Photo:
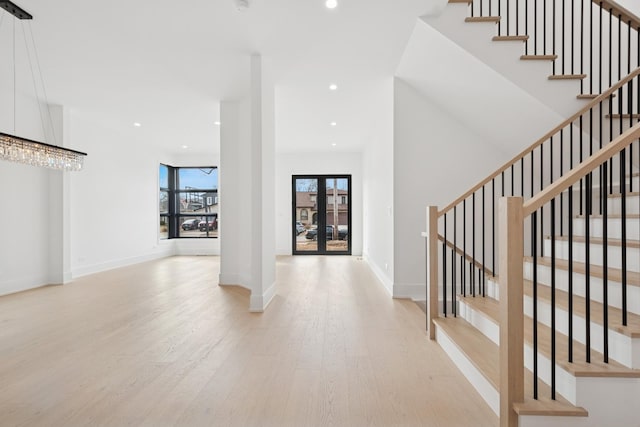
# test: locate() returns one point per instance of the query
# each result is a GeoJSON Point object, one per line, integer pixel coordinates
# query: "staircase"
{"type": "Point", "coordinates": [533, 285]}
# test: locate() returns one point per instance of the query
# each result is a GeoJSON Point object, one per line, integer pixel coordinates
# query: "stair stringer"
{"type": "Point", "coordinates": [504, 57]}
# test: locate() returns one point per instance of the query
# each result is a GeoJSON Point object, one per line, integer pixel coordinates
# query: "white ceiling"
{"type": "Point", "coordinates": [167, 64]}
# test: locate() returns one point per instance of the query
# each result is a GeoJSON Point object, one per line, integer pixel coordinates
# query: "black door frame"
{"type": "Point", "coordinates": [321, 200]}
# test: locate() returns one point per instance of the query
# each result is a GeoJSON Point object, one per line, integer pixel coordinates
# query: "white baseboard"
{"type": "Point", "coordinates": [414, 291]}
{"type": "Point", "coordinates": [23, 284]}
{"type": "Point", "coordinates": [259, 303]}
{"type": "Point", "coordinates": [124, 262]}
{"type": "Point", "coordinates": [379, 273]}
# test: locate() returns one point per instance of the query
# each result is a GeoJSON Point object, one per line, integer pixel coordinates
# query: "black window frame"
{"type": "Point", "coordinates": [174, 215]}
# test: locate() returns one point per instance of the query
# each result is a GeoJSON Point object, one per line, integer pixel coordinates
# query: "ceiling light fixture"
{"type": "Point", "coordinates": [331, 4]}
{"type": "Point", "coordinates": [334, 124]}
{"type": "Point", "coordinates": [185, 147]}
{"type": "Point", "coordinates": [333, 86]}
{"type": "Point", "coordinates": [22, 150]}
{"type": "Point", "coordinates": [333, 144]}
{"type": "Point", "coordinates": [136, 124]}
{"type": "Point", "coordinates": [216, 123]}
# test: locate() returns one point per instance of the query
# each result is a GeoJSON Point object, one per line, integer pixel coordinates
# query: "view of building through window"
{"type": "Point", "coordinates": [188, 202]}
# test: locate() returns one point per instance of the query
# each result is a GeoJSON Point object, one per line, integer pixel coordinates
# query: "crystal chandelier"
{"type": "Point", "coordinates": [25, 151]}
{"type": "Point", "coordinates": [20, 150]}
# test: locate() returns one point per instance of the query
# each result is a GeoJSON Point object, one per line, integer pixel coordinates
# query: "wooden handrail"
{"type": "Point", "coordinates": [542, 140]}
{"type": "Point", "coordinates": [618, 10]}
{"type": "Point", "coordinates": [608, 151]}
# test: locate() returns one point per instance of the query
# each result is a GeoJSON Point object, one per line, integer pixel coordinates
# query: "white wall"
{"type": "Point", "coordinates": [24, 244]}
{"type": "Point", "coordinates": [436, 158]}
{"type": "Point", "coordinates": [289, 164]}
{"type": "Point", "coordinates": [378, 189]}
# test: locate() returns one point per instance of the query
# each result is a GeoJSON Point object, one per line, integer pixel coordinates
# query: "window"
{"type": "Point", "coordinates": [188, 202]}
{"type": "Point", "coordinates": [304, 215]}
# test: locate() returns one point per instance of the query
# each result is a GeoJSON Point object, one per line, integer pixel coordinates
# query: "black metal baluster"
{"type": "Point", "coordinates": [570, 275]}
{"type": "Point", "coordinates": [493, 226]}
{"type": "Point", "coordinates": [553, 299]}
{"type": "Point", "coordinates": [526, 26]}
{"type": "Point", "coordinates": [562, 33]}
{"type": "Point", "coordinates": [561, 174]}
{"type": "Point", "coordinates": [570, 257]}
{"type": "Point", "coordinates": [587, 268]}
{"type": "Point", "coordinates": [473, 241]}
{"type": "Point", "coordinates": [484, 264]}
{"type": "Point", "coordinates": [512, 182]}
{"type": "Point", "coordinates": [444, 269]}
{"type": "Point", "coordinates": [605, 272]}
{"type": "Point", "coordinates": [553, 35]}
{"type": "Point", "coordinates": [544, 27]}
{"type": "Point", "coordinates": [453, 261]}
{"type": "Point", "coordinates": [464, 246]}
{"type": "Point", "coordinates": [623, 219]}
{"type": "Point", "coordinates": [522, 177]}
{"type": "Point", "coordinates": [534, 254]}
{"type": "Point", "coordinates": [542, 207]}
{"type": "Point", "coordinates": [535, 27]}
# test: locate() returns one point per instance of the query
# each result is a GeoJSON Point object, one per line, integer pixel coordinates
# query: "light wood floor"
{"type": "Point", "coordinates": [160, 344]}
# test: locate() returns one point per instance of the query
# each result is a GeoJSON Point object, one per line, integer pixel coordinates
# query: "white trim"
{"type": "Point", "coordinates": [259, 303]}
{"type": "Point", "coordinates": [414, 291]}
{"type": "Point", "coordinates": [232, 279]}
{"type": "Point", "coordinates": [386, 282]}
{"type": "Point", "coordinates": [468, 369]}
{"type": "Point", "coordinates": [23, 284]}
{"type": "Point", "coordinates": [124, 262]}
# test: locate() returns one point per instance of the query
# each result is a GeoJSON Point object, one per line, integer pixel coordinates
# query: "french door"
{"type": "Point", "coordinates": [321, 215]}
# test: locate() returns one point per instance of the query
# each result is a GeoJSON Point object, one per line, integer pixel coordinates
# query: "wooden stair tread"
{"type": "Point", "coordinates": [490, 308]}
{"type": "Point", "coordinates": [539, 57]}
{"type": "Point", "coordinates": [615, 314]}
{"type": "Point", "coordinates": [494, 19]}
{"type": "Point", "coordinates": [484, 355]}
{"type": "Point", "coordinates": [592, 95]}
{"type": "Point", "coordinates": [599, 241]}
{"type": "Point", "coordinates": [548, 407]}
{"type": "Point", "coordinates": [618, 195]}
{"type": "Point", "coordinates": [480, 350]}
{"type": "Point", "coordinates": [568, 77]}
{"type": "Point", "coordinates": [623, 116]}
{"type": "Point", "coordinates": [611, 216]}
{"type": "Point", "coordinates": [615, 274]}
{"type": "Point", "coordinates": [523, 38]}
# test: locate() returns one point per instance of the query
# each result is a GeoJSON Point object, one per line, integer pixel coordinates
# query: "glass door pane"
{"type": "Point", "coordinates": [337, 214]}
{"type": "Point", "coordinates": [305, 230]}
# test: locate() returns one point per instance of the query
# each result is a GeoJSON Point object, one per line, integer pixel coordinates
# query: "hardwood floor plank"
{"type": "Point", "coordinates": [160, 343]}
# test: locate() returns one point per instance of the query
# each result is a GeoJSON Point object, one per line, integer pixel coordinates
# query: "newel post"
{"type": "Point", "coordinates": [511, 247]}
{"type": "Point", "coordinates": [432, 269]}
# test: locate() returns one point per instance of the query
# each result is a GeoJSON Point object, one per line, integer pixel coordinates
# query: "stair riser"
{"type": "Point", "coordinates": [595, 256]}
{"type": "Point", "coordinates": [614, 205]}
{"type": "Point", "coordinates": [566, 383]}
{"type": "Point", "coordinates": [562, 283]}
{"type": "Point", "coordinates": [622, 348]}
{"type": "Point", "coordinates": [614, 227]}
{"type": "Point", "coordinates": [486, 390]}
{"type": "Point", "coordinates": [610, 402]}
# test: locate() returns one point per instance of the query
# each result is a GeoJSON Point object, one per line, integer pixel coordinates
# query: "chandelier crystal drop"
{"type": "Point", "coordinates": [25, 151]}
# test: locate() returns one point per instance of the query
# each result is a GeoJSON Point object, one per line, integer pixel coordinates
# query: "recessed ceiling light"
{"type": "Point", "coordinates": [333, 144]}
{"type": "Point", "coordinates": [334, 124]}
{"type": "Point", "coordinates": [185, 147]}
{"type": "Point", "coordinates": [216, 123]}
{"type": "Point", "coordinates": [136, 124]}
{"type": "Point", "coordinates": [333, 86]}
{"type": "Point", "coordinates": [331, 4]}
